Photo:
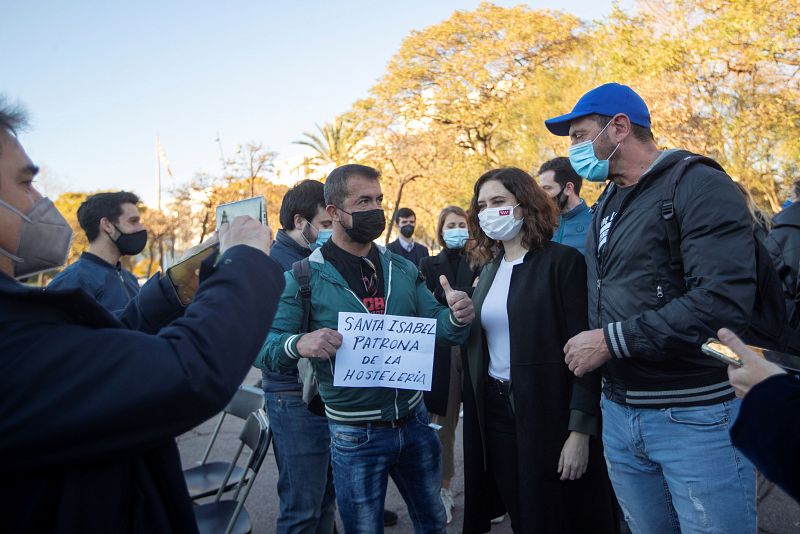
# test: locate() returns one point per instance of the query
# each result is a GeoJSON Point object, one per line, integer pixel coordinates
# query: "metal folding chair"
{"type": "Point", "coordinates": [205, 479]}
{"type": "Point", "coordinates": [230, 516]}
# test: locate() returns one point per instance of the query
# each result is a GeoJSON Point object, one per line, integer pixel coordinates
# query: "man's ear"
{"type": "Point", "coordinates": [107, 227]}
{"type": "Point", "coordinates": [332, 212]}
{"type": "Point", "coordinates": [569, 189]}
{"type": "Point", "coordinates": [621, 127]}
{"type": "Point", "coordinates": [298, 221]}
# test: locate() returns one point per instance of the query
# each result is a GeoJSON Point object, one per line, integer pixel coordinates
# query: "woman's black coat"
{"type": "Point", "coordinates": [431, 268]}
{"type": "Point", "coordinates": [546, 307]}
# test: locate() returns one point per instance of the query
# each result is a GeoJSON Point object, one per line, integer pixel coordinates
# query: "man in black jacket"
{"type": "Point", "coordinates": [404, 245]}
{"type": "Point", "coordinates": [90, 403]}
{"type": "Point", "coordinates": [667, 408]}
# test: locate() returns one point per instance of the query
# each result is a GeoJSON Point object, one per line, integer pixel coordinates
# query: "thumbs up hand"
{"type": "Point", "coordinates": [459, 302]}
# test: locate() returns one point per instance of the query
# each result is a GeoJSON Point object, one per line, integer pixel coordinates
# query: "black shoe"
{"type": "Point", "coordinates": [389, 518]}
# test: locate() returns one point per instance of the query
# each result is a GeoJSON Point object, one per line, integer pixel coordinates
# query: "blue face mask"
{"type": "Point", "coordinates": [455, 237]}
{"type": "Point", "coordinates": [322, 236]}
{"type": "Point", "coordinates": [585, 162]}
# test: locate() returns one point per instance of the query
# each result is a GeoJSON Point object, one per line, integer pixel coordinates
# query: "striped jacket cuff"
{"type": "Point", "coordinates": [290, 346]}
{"type": "Point", "coordinates": [455, 322]}
{"type": "Point", "coordinates": [615, 339]}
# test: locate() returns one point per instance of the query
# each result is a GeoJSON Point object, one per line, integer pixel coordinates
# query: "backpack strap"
{"type": "Point", "coordinates": [670, 182]}
{"type": "Point", "coordinates": [302, 274]}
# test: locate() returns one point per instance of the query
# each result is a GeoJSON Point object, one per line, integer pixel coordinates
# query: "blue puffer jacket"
{"type": "Point", "coordinates": [573, 226]}
{"type": "Point", "coordinates": [110, 285]}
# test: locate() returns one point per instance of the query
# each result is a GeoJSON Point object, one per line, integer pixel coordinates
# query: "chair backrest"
{"type": "Point", "coordinates": [245, 401]}
{"type": "Point", "coordinates": [256, 436]}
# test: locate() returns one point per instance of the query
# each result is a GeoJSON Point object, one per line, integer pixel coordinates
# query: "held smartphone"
{"type": "Point", "coordinates": [255, 207]}
{"type": "Point", "coordinates": [184, 275]}
{"type": "Point", "coordinates": [788, 362]}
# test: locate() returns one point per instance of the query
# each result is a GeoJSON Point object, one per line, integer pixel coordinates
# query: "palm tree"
{"type": "Point", "coordinates": [334, 144]}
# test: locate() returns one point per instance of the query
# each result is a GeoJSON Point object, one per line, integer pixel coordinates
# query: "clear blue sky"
{"type": "Point", "coordinates": [102, 79]}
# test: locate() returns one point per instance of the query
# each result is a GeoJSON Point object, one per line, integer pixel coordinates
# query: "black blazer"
{"type": "Point", "coordinates": [431, 268]}
{"type": "Point", "coordinates": [546, 307]}
{"type": "Point", "coordinates": [419, 251]}
{"type": "Point", "coordinates": [92, 403]}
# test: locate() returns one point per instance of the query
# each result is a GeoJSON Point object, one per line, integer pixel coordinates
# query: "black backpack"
{"type": "Point", "coordinates": [768, 326]}
{"type": "Point", "coordinates": [302, 274]}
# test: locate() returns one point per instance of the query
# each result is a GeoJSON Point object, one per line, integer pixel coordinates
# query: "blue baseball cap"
{"type": "Point", "coordinates": [608, 99]}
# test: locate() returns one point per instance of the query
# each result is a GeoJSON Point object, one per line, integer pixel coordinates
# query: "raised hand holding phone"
{"type": "Point", "coordinates": [754, 368]}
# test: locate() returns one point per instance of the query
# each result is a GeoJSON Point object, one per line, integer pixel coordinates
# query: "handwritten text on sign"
{"type": "Point", "coordinates": [387, 351]}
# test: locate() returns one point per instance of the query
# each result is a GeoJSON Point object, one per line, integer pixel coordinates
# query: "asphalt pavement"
{"type": "Point", "coordinates": [778, 514]}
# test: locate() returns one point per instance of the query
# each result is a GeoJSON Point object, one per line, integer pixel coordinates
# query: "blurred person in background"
{"type": "Point", "coordinates": [114, 228]}
{"type": "Point", "coordinates": [444, 399]}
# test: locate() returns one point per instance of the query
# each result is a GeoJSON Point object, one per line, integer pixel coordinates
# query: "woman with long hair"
{"type": "Point", "coordinates": [444, 399]}
{"type": "Point", "coordinates": [531, 428]}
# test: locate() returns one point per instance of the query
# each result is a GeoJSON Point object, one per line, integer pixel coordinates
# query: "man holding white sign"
{"type": "Point", "coordinates": [378, 423]}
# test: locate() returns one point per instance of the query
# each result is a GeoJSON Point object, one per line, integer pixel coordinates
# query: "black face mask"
{"type": "Point", "coordinates": [561, 199]}
{"type": "Point", "coordinates": [367, 225]}
{"type": "Point", "coordinates": [407, 231]}
{"type": "Point", "coordinates": [131, 244]}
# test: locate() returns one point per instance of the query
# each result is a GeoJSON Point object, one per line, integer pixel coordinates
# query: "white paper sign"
{"type": "Point", "coordinates": [389, 351]}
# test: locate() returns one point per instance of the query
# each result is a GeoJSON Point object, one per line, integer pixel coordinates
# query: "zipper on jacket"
{"type": "Point", "coordinates": [124, 285]}
{"type": "Point", "coordinates": [659, 292]}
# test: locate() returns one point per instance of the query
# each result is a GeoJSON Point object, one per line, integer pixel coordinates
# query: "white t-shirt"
{"type": "Point", "coordinates": [494, 319]}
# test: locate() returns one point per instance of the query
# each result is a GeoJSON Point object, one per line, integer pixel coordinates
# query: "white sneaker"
{"type": "Point", "coordinates": [498, 520]}
{"type": "Point", "coordinates": [447, 502]}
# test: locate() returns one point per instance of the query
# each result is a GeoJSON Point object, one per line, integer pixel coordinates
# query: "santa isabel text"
{"type": "Point", "coordinates": [397, 326]}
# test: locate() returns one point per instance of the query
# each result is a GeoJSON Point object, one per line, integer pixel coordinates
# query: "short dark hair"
{"type": "Point", "coordinates": [13, 118]}
{"type": "Point", "coordinates": [108, 205]}
{"type": "Point", "coordinates": [404, 213]}
{"type": "Point", "coordinates": [639, 132]}
{"type": "Point", "coordinates": [336, 182]}
{"type": "Point", "coordinates": [305, 198]}
{"type": "Point", "coordinates": [563, 173]}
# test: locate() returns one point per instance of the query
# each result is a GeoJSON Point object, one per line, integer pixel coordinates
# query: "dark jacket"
{"type": "Point", "coordinates": [546, 307]}
{"type": "Point", "coordinates": [654, 320]}
{"type": "Point", "coordinates": [431, 268]}
{"type": "Point", "coordinates": [573, 227]}
{"type": "Point", "coordinates": [110, 285]}
{"type": "Point", "coordinates": [417, 253]}
{"type": "Point", "coordinates": [90, 403]}
{"type": "Point", "coordinates": [286, 251]}
{"type": "Point", "coordinates": [767, 431]}
{"type": "Point", "coordinates": [783, 243]}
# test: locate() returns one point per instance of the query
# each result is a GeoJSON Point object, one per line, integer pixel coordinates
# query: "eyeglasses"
{"type": "Point", "coordinates": [369, 279]}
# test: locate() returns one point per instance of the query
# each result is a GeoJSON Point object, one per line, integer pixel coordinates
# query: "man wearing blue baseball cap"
{"type": "Point", "coordinates": [669, 262]}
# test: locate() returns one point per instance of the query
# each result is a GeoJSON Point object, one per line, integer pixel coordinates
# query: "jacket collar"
{"type": "Point", "coordinates": [577, 210]}
{"type": "Point", "coordinates": [97, 260]}
{"type": "Point", "coordinates": [285, 239]}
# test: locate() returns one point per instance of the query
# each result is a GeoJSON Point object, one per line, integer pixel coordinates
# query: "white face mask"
{"type": "Point", "coordinates": [500, 223]}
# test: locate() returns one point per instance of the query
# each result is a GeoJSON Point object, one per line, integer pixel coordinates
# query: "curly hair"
{"type": "Point", "coordinates": [538, 212]}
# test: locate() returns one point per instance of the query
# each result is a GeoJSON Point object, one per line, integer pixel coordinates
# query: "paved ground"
{"type": "Point", "coordinates": [778, 514]}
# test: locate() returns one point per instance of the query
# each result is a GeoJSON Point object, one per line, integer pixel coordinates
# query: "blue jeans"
{"type": "Point", "coordinates": [364, 457]}
{"type": "Point", "coordinates": [676, 470]}
{"type": "Point", "coordinates": [302, 451]}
